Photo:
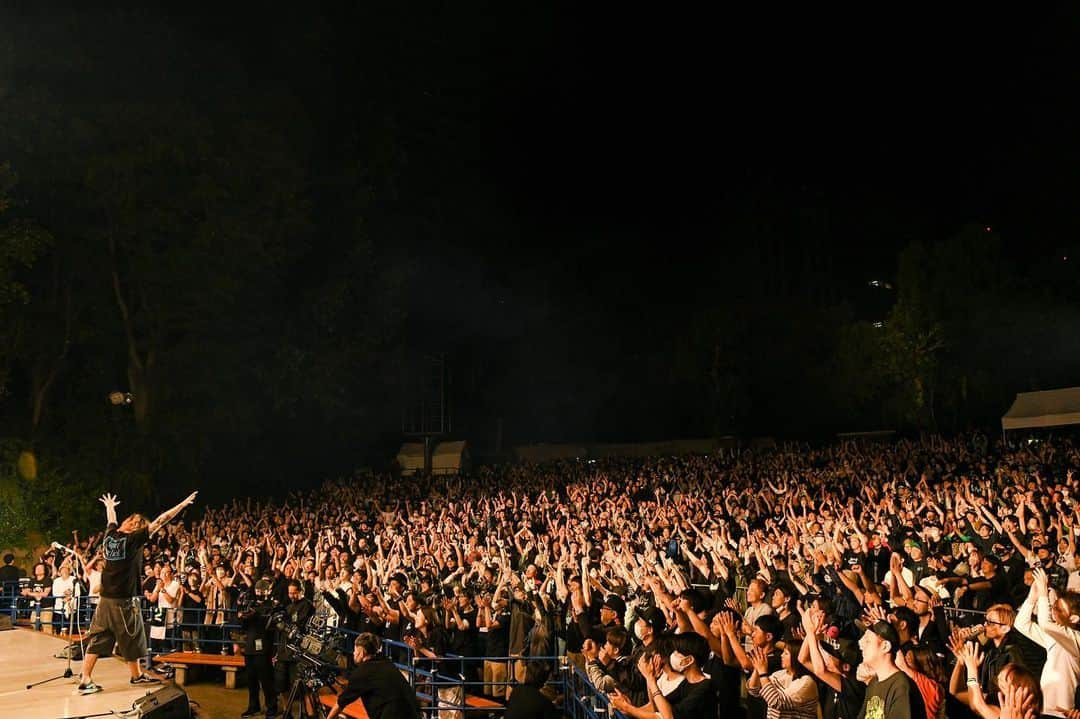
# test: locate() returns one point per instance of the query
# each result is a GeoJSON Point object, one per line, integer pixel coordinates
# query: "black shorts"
{"type": "Point", "coordinates": [117, 622]}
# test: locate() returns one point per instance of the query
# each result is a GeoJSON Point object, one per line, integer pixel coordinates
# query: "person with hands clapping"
{"type": "Point", "coordinates": [692, 698]}
{"type": "Point", "coordinates": [834, 662]}
{"type": "Point", "coordinates": [790, 692]}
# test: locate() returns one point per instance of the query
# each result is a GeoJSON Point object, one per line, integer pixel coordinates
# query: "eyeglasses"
{"type": "Point", "coordinates": [999, 624]}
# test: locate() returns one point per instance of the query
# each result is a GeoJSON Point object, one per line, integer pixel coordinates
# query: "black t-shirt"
{"type": "Point", "coordinates": [193, 607]}
{"type": "Point", "coordinates": [41, 585]}
{"type": "Point", "coordinates": [528, 703]}
{"type": "Point", "coordinates": [845, 704]}
{"type": "Point", "coordinates": [123, 563]}
{"type": "Point", "coordinates": [9, 575]}
{"type": "Point", "coordinates": [464, 641]}
{"type": "Point", "coordinates": [498, 638]}
{"type": "Point", "coordinates": [726, 681]}
{"type": "Point", "coordinates": [692, 701]}
{"type": "Point", "coordinates": [385, 693]}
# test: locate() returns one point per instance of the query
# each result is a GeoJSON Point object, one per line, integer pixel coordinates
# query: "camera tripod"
{"type": "Point", "coordinates": [306, 691]}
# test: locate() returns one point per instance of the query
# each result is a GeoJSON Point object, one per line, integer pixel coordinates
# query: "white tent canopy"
{"type": "Point", "coordinates": [1052, 408]}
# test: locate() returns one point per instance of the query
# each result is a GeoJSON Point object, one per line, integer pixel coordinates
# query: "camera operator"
{"type": "Point", "coordinates": [258, 642]}
{"type": "Point", "coordinates": [298, 613]}
{"type": "Point", "coordinates": [378, 683]}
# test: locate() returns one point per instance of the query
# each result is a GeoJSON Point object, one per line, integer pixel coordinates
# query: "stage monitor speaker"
{"type": "Point", "coordinates": [169, 702]}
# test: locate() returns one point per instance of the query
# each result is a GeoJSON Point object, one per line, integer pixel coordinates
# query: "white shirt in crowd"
{"type": "Point", "coordinates": [1062, 644]}
{"type": "Point", "coordinates": [61, 585]}
{"type": "Point", "coordinates": [172, 589]}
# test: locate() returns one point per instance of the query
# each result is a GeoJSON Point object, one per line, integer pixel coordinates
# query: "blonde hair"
{"type": "Point", "coordinates": [1005, 613]}
{"type": "Point", "coordinates": [141, 522]}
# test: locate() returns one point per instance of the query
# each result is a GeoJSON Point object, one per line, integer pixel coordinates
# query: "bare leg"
{"type": "Point", "coordinates": [89, 660]}
{"type": "Point", "coordinates": [135, 669]}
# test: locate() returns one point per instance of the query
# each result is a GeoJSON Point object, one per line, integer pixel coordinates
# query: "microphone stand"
{"type": "Point", "coordinates": [68, 674]}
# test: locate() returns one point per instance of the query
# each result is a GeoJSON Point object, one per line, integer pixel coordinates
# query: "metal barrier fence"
{"type": "Point", "coordinates": [166, 629]}
{"type": "Point", "coordinates": [444, 685]}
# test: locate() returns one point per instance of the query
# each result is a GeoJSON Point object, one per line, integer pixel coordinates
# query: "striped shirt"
{"type": "Point", "coordinates": [788, 698]}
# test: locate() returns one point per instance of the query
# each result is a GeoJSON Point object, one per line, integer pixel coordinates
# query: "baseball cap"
{"type": "Point", "coordinates": [654, 618]}
{"type": "Point", "coordinates": [887, 632]}
{"type": "Point", "coordinates": [615, 603]}
{"type": "Point", "coordinates": [845, 650]}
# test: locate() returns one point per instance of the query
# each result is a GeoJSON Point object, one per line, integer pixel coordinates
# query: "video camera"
{"type": "Point", "coordinates": [317, 649]}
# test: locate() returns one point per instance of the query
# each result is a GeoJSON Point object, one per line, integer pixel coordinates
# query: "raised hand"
{"type": "Point", "coordinates": [875, 614]}
{"type": "Point", "coordinates": [620, 702]}
{"type": "Point", "coordinates": [109, 500]}
{"type": "Point", "coordinates": [956, 643]}
{"type": "Point", "coordinates": [972, 658]}
{"type": "Point", "coordinates": [644, 666]}
{"type": "Point", "coordinates": [1038, 576]}
{"type": "Point", "coordinates": [760, 660]}
{"type": "Point", "coordinates": [1017, 702]}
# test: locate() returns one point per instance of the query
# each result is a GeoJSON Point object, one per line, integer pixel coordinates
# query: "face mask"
{"type": "Point", "coordinates": [678, 661]}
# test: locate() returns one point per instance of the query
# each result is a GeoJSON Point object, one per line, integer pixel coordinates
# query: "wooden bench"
{"type": "Point", "coordinates": [182, 661]}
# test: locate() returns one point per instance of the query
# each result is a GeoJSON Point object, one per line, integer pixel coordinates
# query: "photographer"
{"type": "Point", "coordinates": [255, 619]}
{"type": "Point", "coordinates": [298, 613]}
{"type": "Point", "coordinates": [378, 683]}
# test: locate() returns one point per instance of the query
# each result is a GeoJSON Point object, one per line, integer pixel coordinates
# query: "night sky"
{"type": "Point", "coordinates": [590, 173]}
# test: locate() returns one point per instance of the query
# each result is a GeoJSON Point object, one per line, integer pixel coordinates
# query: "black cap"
{"type": "Point", "coordinates": [615, 603]}
{"type": "Point", "coordinates": [655, 619]}
{"type": "Point", "coordinates": [845, 650]}
{"type": "Point", "coordinates": [887, 632]}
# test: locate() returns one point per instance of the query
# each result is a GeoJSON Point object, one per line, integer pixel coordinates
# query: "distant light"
{"type": "Point", "coordinates": [989, 229]}
{"type": "Point", "coordinates": [879, 324]}
{"type": "Point", "coordinates": [1065, 258]}
{"type": "Point", "coordinates": [875, 283]}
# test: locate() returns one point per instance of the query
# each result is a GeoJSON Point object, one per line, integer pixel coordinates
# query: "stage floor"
{"type": "Point", "coordinates": [27, 656]}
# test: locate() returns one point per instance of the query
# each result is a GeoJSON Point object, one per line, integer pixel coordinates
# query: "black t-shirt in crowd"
{"type": "Point", "coordinates": [9, 574]}
{"type": "Point", "coordinates": [497, 639]}
{"type": "Point", "coordinates": [843, 704]}
{"type": "Point", "coordinates": [123, 563]}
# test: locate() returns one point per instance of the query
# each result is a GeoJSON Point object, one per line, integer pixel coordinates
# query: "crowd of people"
{"type": "Point", "coordinates": [931, 577]}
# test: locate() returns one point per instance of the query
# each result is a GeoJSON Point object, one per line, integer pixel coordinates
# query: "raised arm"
{"type": "Point", "coordinates": [167, 516]}
{"type": "Point", "coordinates": [110, 501]}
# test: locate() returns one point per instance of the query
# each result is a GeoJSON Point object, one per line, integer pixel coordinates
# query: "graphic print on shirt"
{"type": "Point", "coordinates": [875, 708]}
{"type": "Point", "coordinates": [115, 549]}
